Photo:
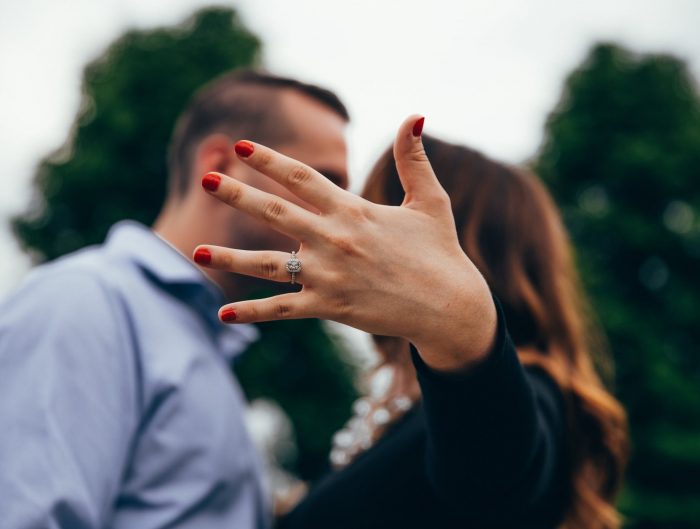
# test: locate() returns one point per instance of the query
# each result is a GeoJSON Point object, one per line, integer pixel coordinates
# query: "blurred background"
{"type": "Point", "coordinates": [601, 99]}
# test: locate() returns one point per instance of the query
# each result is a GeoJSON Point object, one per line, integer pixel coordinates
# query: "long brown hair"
{"type": "Point", "coordinates": [511, 229]}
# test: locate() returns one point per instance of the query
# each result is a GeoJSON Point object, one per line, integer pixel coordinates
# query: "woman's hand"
{"type": "Point", "coordinates": [396, 271]}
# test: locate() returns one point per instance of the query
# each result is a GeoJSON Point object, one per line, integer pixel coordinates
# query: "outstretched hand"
{"type": "Point", "coordinates": [388, 270]}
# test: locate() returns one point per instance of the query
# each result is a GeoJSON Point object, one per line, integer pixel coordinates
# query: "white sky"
{"type": "Point", "coordinates": [483, 72]}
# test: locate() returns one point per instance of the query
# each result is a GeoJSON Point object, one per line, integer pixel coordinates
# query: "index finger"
{"type": "Point", "coordinates": [280, 214]}
{"type": "Point", "coordinates": [305, 182]}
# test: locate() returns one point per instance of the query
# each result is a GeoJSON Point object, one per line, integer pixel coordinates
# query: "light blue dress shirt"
{"type": "Point", "coordinates": [117, 405]}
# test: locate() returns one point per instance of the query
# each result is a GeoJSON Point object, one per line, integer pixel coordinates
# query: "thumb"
{"type": "Point", "coordinates": [415, 172]}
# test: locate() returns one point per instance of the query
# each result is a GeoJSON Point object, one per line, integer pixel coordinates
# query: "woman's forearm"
{"type": "Point", "coordinates": [495, 434]}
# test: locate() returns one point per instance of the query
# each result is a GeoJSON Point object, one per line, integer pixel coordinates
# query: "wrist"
{"type": "Point", "coordinates": [462, 334]}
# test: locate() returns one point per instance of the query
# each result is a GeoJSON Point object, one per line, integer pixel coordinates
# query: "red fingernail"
{"type": "Point", "coordinates": [243, 149]}
{"type": "Point", "coordinates": [228, 315]}
{"type": "Point", "coordinates": [211, 181]}
{"type": "Point", "coordinates": [202, 256]}
{"type": "Point", "coordinates": [418, 127]}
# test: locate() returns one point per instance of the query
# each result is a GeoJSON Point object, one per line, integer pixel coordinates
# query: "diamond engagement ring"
{"type": "Point", "coordinates": [293, 266]}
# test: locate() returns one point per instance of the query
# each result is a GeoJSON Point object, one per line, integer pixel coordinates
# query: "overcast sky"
{"type": "Point", "coordinates": [483, 72]}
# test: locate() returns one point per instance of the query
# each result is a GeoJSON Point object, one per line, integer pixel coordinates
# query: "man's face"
{"type": "Point", "coordinates": [319, 142]}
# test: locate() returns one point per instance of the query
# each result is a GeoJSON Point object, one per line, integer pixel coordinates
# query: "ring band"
{"type": "Point", "coordinates": [293, 266]}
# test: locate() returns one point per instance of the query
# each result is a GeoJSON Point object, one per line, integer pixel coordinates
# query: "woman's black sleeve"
{"type": "Point", "coordinates": [495, 448]}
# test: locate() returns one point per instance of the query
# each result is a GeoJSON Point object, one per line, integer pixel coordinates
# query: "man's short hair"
{"type": "Point", "coordinates": [241, 103]}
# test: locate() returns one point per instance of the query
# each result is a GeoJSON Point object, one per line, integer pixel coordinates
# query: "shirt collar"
{"type": "Point", "coordinates": [175, 273]}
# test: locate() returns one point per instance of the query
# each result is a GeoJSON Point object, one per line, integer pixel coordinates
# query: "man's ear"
{"type": "Point", "coordinates": [214, 153]}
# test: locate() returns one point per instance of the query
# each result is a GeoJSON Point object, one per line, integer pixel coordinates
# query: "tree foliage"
{"type": "Point", "coordinates": [113, 165]}
{"type": "Point", "coordinates": [621, 156]}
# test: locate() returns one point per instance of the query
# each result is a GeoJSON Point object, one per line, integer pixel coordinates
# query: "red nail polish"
{"type": "Point", "coordinates": [243, 148]}
{"type": "Point", "coordinates": [202, 256]}
{"type": "Point", "coordinates": [418, 127]}
{"type": "Point", "coordinates": [211, 181]}
{"type": "Point", "coordinates": [228, 315]}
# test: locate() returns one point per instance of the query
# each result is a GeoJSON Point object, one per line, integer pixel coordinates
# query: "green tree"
{"type": "Point", "coordinates": [113, 167]}
{"type": "Point", "coordinates": [621, 156]}
{"type": "Point", "coordinates": [113, 164]}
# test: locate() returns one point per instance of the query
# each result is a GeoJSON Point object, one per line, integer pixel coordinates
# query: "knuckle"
{"type": "Point", "coordinates": [443, 197]}
{"type": "Point", "coordinates": [298, 175]}
{"type": "Point", "coordinates": [273, 210]}
{"type": "Point", "coordinates": [263, 159]}
{"type": "Point", "coordinates": [253, 312]}
{"type": "Point", "coordinates": [234, 194]}
{"type": "Point", "coordinates": [282, 311]}
{"type": "Point", "coordinates": [269, 268]}
{"type": "Point", "coordinates": [358, 213]}
{"type": "Point", "coordinates": [343, 243]}
{"type": "Point", "coordinates": [342, 305]}
{"type": "Point", "coordinates": [417, 155]}
{"type": "Point", "coordinates": [226, 260]}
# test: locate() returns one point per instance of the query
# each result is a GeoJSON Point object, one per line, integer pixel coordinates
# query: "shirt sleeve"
{"type": "Point", "coordinates": [495, 437]}
{"type": "Point", "coordinates": [67, 403]}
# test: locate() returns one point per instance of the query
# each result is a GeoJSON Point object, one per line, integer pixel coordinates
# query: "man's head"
{"type": "Point", "coordinates": [300, 120]}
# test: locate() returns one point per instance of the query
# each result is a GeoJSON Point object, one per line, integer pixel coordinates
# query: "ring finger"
{"type": "Point", "coordinates": [263, 264]}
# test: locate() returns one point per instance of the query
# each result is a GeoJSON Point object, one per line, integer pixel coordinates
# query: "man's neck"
{"type": "Point", "coordinates": [177, 225]}
{"type": "Point", "coordinates": [173, 228]}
